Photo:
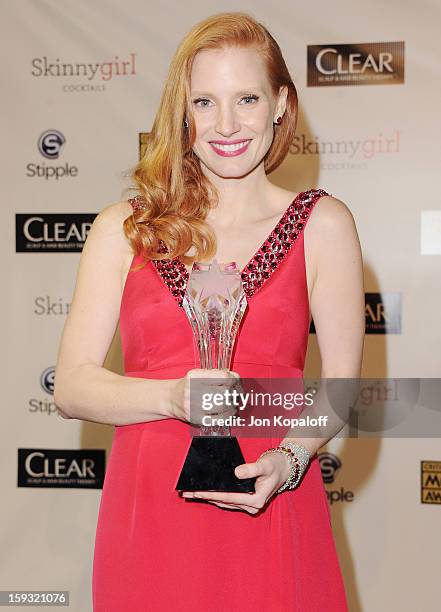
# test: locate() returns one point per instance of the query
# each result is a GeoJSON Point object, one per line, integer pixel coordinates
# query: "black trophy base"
{"type": "Point", "coordinates": [209, 466]}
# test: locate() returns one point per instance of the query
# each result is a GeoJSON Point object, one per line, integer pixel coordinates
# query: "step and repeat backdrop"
{"type": "Point", "coordinates": [79, 92]}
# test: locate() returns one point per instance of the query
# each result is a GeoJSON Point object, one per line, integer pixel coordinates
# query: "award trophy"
{"type": "Point", "coordinates": [214, 303]}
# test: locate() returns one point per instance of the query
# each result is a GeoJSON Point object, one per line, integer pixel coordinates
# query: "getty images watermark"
{"type": "Point", "coordinates": [240, 401]}
{"type": "Point", "coordinates": [325, 407]}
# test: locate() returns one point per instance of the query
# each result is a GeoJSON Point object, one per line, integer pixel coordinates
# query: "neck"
{"type": "Point", "coordinates": [240, 199]}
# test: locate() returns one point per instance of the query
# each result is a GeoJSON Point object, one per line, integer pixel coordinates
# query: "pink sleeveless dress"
{"type": "Point", "coordinates": [156, 551]}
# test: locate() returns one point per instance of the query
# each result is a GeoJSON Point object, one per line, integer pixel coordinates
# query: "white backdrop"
{"type": "Point", "coordinates": [388, 541]}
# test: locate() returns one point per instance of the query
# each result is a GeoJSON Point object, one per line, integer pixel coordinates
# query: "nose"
{"type": "Point", "coordinates": [226, 121]}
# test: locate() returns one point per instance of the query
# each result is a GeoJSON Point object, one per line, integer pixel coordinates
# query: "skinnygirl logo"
{"type": "Point", "coordinates": [104, 71]}
{"type": "Point", "coordinates": [372, 145]}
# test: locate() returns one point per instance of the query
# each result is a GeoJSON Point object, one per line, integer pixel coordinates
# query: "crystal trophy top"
{"type": "Point", "coordinates": [214, 303]}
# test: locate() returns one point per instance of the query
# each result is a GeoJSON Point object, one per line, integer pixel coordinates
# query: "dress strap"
{"type": "Point", "coordinates": [278, 244]}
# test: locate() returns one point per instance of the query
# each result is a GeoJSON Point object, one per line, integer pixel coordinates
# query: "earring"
{"type": "Point", "coordinates": [278, 120]}
{"type": "Point", "coordinates": [185, 123]}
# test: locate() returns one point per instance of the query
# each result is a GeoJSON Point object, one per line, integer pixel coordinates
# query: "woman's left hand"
{"type": "Point", "coordinates": [271, 471]}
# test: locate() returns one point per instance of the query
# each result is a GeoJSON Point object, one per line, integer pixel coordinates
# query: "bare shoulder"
{"type": "Point", "coordinates": [330, 217]}
{"type": "Point", "coordinates": [331, 236]}
{"type": "Point", "coordinates": [109, 223]}
{"type": "Point", "coordinates": [114, 214]}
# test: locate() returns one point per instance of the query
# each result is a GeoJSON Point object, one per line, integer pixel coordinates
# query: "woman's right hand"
{"type": "Point", "coordinates": [202, 381]}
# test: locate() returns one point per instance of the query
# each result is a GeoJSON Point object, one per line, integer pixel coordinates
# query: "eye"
{"type": "Point", "coordinates": [201, 102]}
{"type": "Point", "coordinates": [250, 97]}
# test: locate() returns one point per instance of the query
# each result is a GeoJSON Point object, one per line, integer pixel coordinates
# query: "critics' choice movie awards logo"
{"type": "Point", "coordinates": [355, 64]}
{"type": "Point", "coordinates": [431, 482]}
{"type": "Point", "coordinates": [382, 314]}
{"type": "Point", "coordinates": [330, 464]}
{"type": "Point", "coordinates": [61, 468]}
{"type": "Point", "coordinates": [52, 232]}
{"type": "Point", "coordinates": [45, 405]}
{"type": "Point", "coordinates": [142, 143]}
{"type": "Point", "coordinates": [50, 145]}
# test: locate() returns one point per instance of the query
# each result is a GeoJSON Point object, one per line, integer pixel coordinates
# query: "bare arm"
{"type": "Point", "coordinates": [337, 306]}
{"type": "Point", "coordinates": [84, 389]}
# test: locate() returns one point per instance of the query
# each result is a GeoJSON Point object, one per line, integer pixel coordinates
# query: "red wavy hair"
{"type": "Point", "coordinates": [169, 180]}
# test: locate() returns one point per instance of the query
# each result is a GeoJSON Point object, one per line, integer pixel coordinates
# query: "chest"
{"type": "Point", "coordinates": [286, 237]}
{"type": "Point", "coordinates": [156, 334]}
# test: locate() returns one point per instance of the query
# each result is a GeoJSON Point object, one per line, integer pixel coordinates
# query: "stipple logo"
{"type": "Point", "coordinates": [330, 464]}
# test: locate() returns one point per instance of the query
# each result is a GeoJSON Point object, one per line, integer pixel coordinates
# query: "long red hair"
{"type": "Point", "coordinates": [169, 180]}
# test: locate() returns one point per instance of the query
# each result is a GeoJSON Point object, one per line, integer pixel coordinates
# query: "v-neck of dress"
{"type": "Point", "coordinates": [265, 260]}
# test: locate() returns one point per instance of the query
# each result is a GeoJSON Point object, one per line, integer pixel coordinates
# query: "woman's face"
{"type": "Point", "coordinates": [234, 110]}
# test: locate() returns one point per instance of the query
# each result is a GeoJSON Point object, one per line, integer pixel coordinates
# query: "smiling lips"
{"type": "Point", "coordinates": [230, 148]}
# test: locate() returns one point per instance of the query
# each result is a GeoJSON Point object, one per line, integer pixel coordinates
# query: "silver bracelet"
{"type": "Point", "coordinates": [299, 457]}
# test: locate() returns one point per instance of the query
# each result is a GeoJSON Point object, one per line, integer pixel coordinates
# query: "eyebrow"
{"type": "Point", "coordinates": [241, 91]}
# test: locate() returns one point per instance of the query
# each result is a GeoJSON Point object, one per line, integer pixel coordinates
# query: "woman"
{"type": "Point", "coordinates": [226, 119]}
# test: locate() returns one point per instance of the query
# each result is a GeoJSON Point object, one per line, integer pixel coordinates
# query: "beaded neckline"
{"type": "Point", "coordinates": [262, 264]}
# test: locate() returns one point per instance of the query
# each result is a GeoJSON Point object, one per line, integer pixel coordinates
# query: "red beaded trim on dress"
{"type": "Point", "coordinates": [263, 264]}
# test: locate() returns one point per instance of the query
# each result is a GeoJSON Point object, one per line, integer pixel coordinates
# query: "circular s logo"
{"type": "Point", "coordinates": [47, 380]}
{"type": "Point", "coordinates": [329, 464]}
{"type": "Point", "coordinates": [51, 143]}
